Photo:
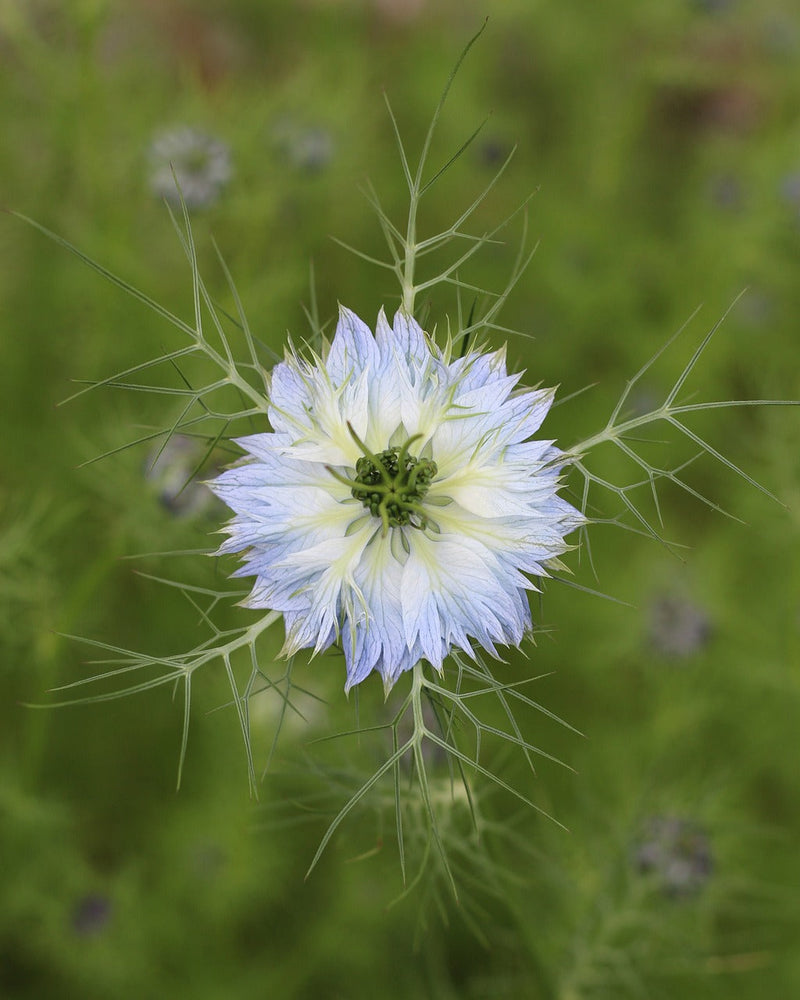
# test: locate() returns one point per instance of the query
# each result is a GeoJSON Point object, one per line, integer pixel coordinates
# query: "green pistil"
{"type": "Point", "coordinates": [391, 485]}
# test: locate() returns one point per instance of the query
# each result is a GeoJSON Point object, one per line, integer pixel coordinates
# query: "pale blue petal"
{"type": "Point", "coordinates": [353, 349]}
{"type": "Point", "coordinates": [322, 561]}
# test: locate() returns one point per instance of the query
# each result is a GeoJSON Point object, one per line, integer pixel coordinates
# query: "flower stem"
{"type": "Point", "coordinates": [612, 432]}
{"type": "Point", "coordinates": [417, 687]}
{"type": "Point", "coordinates": [410, 259]}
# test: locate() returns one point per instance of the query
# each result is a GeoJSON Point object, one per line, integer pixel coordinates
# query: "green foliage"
{"type": "Point", "coordinates": [660, 140]}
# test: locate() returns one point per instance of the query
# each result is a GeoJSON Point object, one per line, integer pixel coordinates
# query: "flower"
{"type": "Point", "coordinates": [201, 165]}
{"type": "Point", "coordinates": [171, 468]}
{"type": "Point", "coordinates": [91, 914]}
{"type": "Point", "coordinates": [398, 506]}
{"type": "Point", "coordinates": [306, 147]}
{"type": "Point", "coordinates": [678, 852]}
{"type": "Point", "coordinates": [678, 627]}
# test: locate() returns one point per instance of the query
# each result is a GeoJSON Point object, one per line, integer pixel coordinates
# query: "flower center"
{"type": "Point", "coordinates": [391, 485]}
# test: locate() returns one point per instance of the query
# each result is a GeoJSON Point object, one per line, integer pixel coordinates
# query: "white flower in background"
{"type": "Point", "coordinates": [678, 627]}
{"type": "Point", "coordinates": [202, 166]}
{"type": "Point", "coordinates": [172, 468]}
{"type": "Point", "coordinates": [306, 147]}
{"type": "Point", "coordinates": [398, 506]}
{"type": "Point", "coordinates": [678, 852]}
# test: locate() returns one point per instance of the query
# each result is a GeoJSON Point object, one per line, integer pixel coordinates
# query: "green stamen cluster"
{"type": "Point", "coordinates": [391, 485]}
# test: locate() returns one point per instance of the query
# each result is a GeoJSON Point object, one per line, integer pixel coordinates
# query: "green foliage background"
{"type": "Point", "coordinates": [665, 143]}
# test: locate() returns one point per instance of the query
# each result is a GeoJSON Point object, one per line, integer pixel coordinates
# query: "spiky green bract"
{"type": "Point", "coordinates": [440, 737]}
{"type": "Point", "coordinates": [624, 432]}
{"type": "Point", "coordinates": [420, 571]}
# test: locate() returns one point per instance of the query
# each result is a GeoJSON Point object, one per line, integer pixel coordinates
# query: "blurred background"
{"type": "Point", "coordinates": [663, 141]}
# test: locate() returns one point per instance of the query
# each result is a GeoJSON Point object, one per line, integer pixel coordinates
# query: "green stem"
{"type": "Point", "coordinates": [409, 262]}
{"type": "Point", "coordinates": [245, 638]}
{"type": "Point", "coordinates": [612, 432]}
{"type": "Point", "coordinates": [418, 685]}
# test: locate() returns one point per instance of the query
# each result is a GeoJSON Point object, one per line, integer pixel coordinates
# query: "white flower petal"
{"type": "Point", "coordinates": [353, 349]}
{"type": "Point", "coordinates": [490, 519]}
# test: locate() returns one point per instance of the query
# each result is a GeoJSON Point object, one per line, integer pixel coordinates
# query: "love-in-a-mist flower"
{"type": "Point", "coordinates": [399, 506]}
{"type": "Point", "coordinates": [200, 163]}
